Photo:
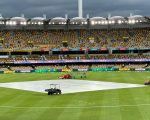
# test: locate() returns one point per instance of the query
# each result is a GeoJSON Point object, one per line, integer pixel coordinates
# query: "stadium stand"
{"type": "Point", "coordinates": [83, 66]}
{"type": "Point", "coordinates": [35, 39]}
{"type": "Point", "coordinates": [77, 43]}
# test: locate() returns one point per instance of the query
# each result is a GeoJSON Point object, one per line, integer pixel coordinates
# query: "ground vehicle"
{"type": "Point", "coordinates": [147, 83]}
{"type": "Point", "coordinates": [66, 76]}
{"type": "Point", "coordinates": [54, 89]}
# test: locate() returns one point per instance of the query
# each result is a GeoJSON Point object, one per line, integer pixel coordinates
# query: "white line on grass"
{"type": "Point", "coordinates": [75, 107]}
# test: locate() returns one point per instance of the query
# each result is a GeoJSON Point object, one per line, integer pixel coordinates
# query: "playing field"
{"type": "Point", "coordinates": [117, 104]}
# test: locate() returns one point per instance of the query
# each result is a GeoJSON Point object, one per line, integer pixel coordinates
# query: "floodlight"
{"type": "Point", "coordinates": [130, 21]}
{"type": "Point", "coordinates": [25, 23]}
{"type": "Point", "coordinates": [14, 23]}
{"type": "Point", "coordinates": [106, 22]}
{"type": "Point", "coordinates": [83, 23]}
{"type": "Point", "coordinates": [133, 21]}
{"type": "Point", "coordinates": [10, 23]}
{"type": "Point", "coordinates": [99, 22]}
{"type": "Point", "coordinates": [113, 22]}
{"type": "Point", "coordinates": [39, 23]}
{"type": "Point", "coordinates": [137, 21]}
{"type": "Point", "coordinates": [103, 22]}
{"type": "Point", "coordinates": [92, 22]}
{"type": "Point", "coordinates": [119, 21]}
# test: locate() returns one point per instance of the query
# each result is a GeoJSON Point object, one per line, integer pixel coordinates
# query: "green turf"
{"type": "Point", "coordinates": [121, 104]}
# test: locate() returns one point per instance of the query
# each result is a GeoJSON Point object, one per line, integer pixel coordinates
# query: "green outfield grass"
{"type": "Point", "coordinates": [120, 104]}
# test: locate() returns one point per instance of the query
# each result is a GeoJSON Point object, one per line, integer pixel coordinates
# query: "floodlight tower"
{"type": "Point", "coordinates": [80, 9]}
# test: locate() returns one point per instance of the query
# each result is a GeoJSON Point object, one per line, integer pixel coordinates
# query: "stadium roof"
{"type": "Point", "coordinates": [132, 19]}
{"type": "Point", "coordinates": [79, 19]}
{"type": "Point", "coordinates": [58, 19]}
{"type": "Point", "coordinates": [116, 17]}
{"type": "Point", "coordinates": [38, 19]}
{"type": "Point", "coordinates": [136, 17]}
{"type": "Point", "coordinates": [18, 19]}
{"type": "Point", "coordinates": [97, 18]}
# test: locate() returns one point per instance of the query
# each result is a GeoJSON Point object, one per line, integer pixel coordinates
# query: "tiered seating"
{"type": "Point", "coordinates": [35, 39]}
{"type": "Point", "coordinates": [115, 38]}
{"type": "Point", "coordinates": [21, 68]}
{"type": "Point", "coordinates": [106, 65]}
{"type": "Point", "coordinates": [3, 68]}
{"type": "Point", "coordinates": [137, 66]}
{"type": "Point", "coordinates": [73, 57]}
{"type": "Point", "coordinates": [5, 60]}
{"type": "Point", "coordinates": [42, 67]}
{"type": "Point", "coordinates": [115, 56]}
{"type": "Point", "coordinates": [120, 66]}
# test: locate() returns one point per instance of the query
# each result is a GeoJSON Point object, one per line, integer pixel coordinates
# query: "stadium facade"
{"type": "Point", "coordinates": [114, 43]}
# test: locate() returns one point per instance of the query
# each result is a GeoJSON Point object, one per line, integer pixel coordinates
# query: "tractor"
{"type": "Point", "coordinates": [54, 89]}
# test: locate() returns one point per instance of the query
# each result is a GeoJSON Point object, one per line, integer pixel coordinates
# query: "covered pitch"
{"type": "Point", "coordinates": [68, 86]}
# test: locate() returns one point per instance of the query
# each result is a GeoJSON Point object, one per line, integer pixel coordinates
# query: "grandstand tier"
{"type": "Point", "coordinates": [35, 40]}
{"type": "Point", "coordinates": [79, 46]}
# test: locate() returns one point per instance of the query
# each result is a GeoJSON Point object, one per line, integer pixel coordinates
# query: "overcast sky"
{"type": "Point", "coordinates": [55, 8]}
